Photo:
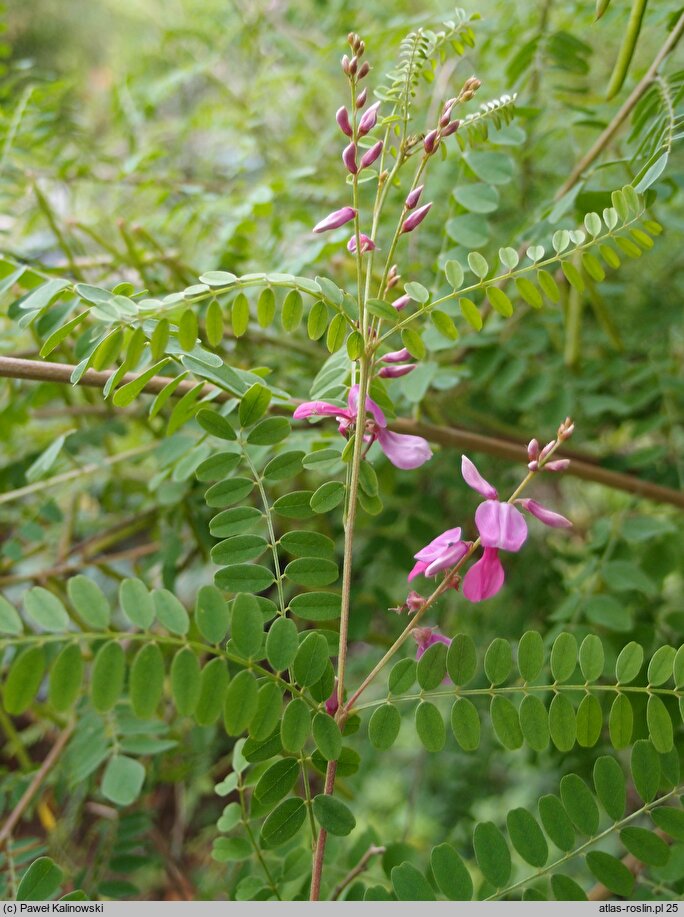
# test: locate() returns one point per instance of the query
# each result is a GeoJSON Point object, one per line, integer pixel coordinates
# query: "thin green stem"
{"type": "Point", "coordinates": [509, 275]}
{"type": "Point", "coordinates": [571, 854]}
{"type": "Point", "coordinates": [307, 797]}
{"type": "Point", "coordinates": [273, 544]}
{"type": "Point", "coordinates": [250, 834]}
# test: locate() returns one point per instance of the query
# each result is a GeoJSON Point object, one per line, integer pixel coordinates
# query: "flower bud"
{"type": "Point", "coordinates": [345, 63]}
{"type": "Point", "coordinates": [533, 465]}
{"type": "Point", "coordinates": [342, 118]}
{"type": "Point", "coordinates": [353, 65]}
{"type": "Point", "coordinates": [364, 70]}
{"type": "Point", "coordinates": [371, 155]}
{"type": "Point", "coordinates": [335, 219]}
{"type": "Point", "coordinates": [413, 197]}
{"type": "Point", "coordinates": [446, 109]}
{"type": "Point", "coordinates": [349, 158]}
{"type": "Point", "coordinates": [558, 465]}
{"type": "Point", "coordinates": [547, 450]}
{"type": "Point", "coordinates": [396, 356]}
{"type": "Point", "coordinates": [367, 244]}
{"type": "Point", "coordinates": [414, 219]}
{"type": "Point", "coordinates": [361, 98]}
{"type": "Point", "coordinates": [451, 128]}
{"type": "Point", "coordinates": [431, 141]}
{"type": "Point", "coordinates": [400, 303]}
{"type": "Point", "coordinates": [360, 48]}
{"type": "Point", "coordinates": [533, 449]}
{"type": "Point", "coordinates": [394, 372]}
{"type": "Point", "coordinates": [369, 119]}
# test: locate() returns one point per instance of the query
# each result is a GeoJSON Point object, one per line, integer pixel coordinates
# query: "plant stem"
{"type": "Point", "coordinates": [319, 852]}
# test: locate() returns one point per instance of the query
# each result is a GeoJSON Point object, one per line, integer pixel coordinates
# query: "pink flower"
{"type": "Point", "coordinates": [484, 578]}
{"type": "Point", "coordinates": [443, 551]}
{"type": "Point", "coordinates": [335, 219]}
{"type": "Point", "coordinates": [342, 118]}
{"type": "Point", "coordinates": [367, 244]}
{"type": "Point", "coordinates": [394, 372]}
{"type": "Point", "coordinates": [500, 525]}
{"type": "Point", "coordinates": [369, 119]}
{"type": "Point", "coordinates": [371, 155]}
{"type": "Point", "coordinates": [413, 197]}
{"type": "Point", "coordinates": [404, 451]}
{"type": "Point", "coordinates": [414, 219]}
{"type": "Point", "coordinates": [547, 516]}
{"type": "Point", "coordinates": [349, 158]}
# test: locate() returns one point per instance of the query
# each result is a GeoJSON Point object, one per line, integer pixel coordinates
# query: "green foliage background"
{"type": "Point", "coordinates": [148, 143]}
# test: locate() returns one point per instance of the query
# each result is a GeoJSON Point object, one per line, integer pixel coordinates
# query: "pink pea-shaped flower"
{"type": "Point", "coordinates": [369, 119]}
{"type": "Point", "coordinates": [371, 155]}
{"type": "Point", "coordinates": [349, 158]}
{"type": "Point", "coordinates": [343, 122]}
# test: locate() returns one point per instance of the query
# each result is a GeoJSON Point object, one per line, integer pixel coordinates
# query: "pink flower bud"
{"type": "Point", "coordinates": [450, 128]}
{"type": "Point", "coordinates": [342, 118]}
{"type": "Point", "coordinates": [413, 197]}
{"type": "Point", "coordinates": [431, 141]}
{"type": "Point", "coordinates": [533, 465]}
{"type": "Point", "coordinates": [546, 450]}
{"type": "Point", "coordinates": [369, 119]}
{"type": "Point", "coordinates": [558, 465]}
{"type": "Point", "coordinates": [335, 219]}
{"type": "Point", "coordinates": [349, 158]}
{"type": "Point", "coordinates": [533, 449]}
{"type": "Point", "coordinates": [416, 218]}
{"type": "Point", "coordinates": [345, 63]}
{"type": "Point", "coordinates": [446, 108]}
{"type": "Point", "coordinates": [364, 70]}
{"type": "Point", "coordinates": [353, 65]}
{"type": "Point", "coordinates": [396, 356]}
{"type": "Point", "coordinates": [371, 155]}
{"type": "Point", "coordinates": [361, 98]}
{"type": "Point", "coordinates": [400, 303]}
{"type": "Point", "coordinates": [367, 244]}
{"type": "Point", "coordinates": [545, 515]}
{"type": "Point", "coordinates": [394, 372]}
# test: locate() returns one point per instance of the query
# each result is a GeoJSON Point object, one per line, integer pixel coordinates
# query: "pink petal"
{"type": "Point", "coordinates": [500, 525]}
{"type": "Point", "coordinates": [485, 578]}
{"type": "Point", "coordinates": [371, 406]}
{"type": "Point", "coordinates": [474, 479]}
{"type": "Point", "coordinates": [439, 545]}
{"type": "Point", "coordinates": [404, 451]}
{"type": "Point", "coordinates": [449, 558]}
{"type": "Point", "coordinates": [417, 570]}
{"type": "Point", "coordinates": [545, 515]}
{"type": "Point", "coordinates": [427, 642]}
{"type": "Point", "coordinates": [314, 408]}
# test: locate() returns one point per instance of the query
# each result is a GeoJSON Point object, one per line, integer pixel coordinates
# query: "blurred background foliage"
{"type": "Point", "coordinates": [148, 141]}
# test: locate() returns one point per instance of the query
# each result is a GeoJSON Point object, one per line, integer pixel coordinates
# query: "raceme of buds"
{"type": "Point", "coordinates": [416, 218]}
{"type": "Point", "coordinates": [394, 372]}
{"type": "Point", "coordinates": [342, 118]}
{"type": "Point", "coordinates": [413, 197]}
{"type": "Point", "coordinates": [367, 244]}
{"type": "Point", "coordinates": [369, 119]}
{"type": "Point", "coordinates": [361, 98]}
{"type": "Point", "coordinates": [349, 158]}
{"type": "Point", "coordinates": [431, 141]}
{"type": "Point", "coordinates": [335, 219]}
{"type": "Point", "coordinates": [371, 155]}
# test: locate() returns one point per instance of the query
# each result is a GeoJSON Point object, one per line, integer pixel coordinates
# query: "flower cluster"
{"type": "Point", "coordinates": [401, 449]}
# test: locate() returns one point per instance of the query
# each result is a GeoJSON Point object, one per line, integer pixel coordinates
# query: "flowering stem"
{"type": "Point", "coordinates": [442, 588]}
